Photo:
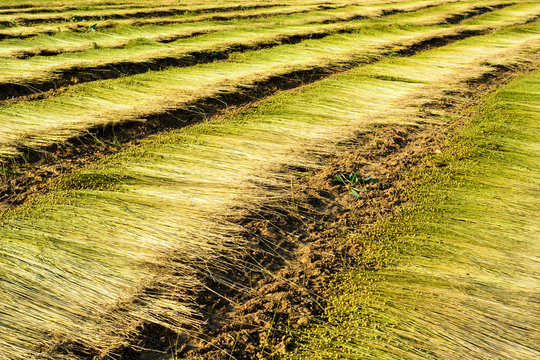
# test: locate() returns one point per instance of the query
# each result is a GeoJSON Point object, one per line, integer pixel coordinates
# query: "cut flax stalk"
{"type": "Point", "coordinates": [126, 241]}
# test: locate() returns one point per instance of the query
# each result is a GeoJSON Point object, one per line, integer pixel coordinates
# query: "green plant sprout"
{"type": "Point", "coordinates": [354, 182]}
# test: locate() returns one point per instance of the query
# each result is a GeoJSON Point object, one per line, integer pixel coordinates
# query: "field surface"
{"type": "Point", "coordinates": [269, 179]}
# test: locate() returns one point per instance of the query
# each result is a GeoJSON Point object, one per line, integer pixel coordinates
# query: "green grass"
{"type": "Point", "coordinates": [38, 123]}
{"type": "Point", "coordinates": [76, 260]}
{"type": "Point", "coordinates": [455, 274]}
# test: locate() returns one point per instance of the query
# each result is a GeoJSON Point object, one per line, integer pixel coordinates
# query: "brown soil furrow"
{"type": "Point", "coordinates": [27, 176]}
{"type": "Point", "coordinates": [77, 75]}
{"type": "Point", "coordinates": [457, 18]}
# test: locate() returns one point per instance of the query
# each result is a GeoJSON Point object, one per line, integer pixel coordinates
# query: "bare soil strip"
{"type": "Point", "coordinates": [81, 74]}
{"type": "Point", "coordinates": [27, 176]}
